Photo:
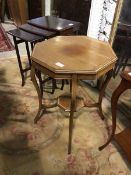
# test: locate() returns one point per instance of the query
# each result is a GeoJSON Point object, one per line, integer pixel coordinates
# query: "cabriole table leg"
{"type": "Point", "coordinates": [115, 96]}
{"type": "Point", "coordinates": [33, 78]}
{"type": "Point", "coordinates": [102, 92]}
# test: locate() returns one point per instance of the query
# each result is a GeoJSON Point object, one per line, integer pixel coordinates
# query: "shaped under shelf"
{"type": "Point", "coordinates": [64, 102]}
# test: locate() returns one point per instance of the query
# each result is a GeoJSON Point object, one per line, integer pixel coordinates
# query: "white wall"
{"type": "Point", "coordinates": [47, 7]}
{"type": "Point", "coordinates": [101, 19]}
{"type": "Point", "coordinates": [95, 18]}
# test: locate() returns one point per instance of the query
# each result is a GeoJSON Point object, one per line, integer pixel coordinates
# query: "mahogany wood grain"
{"type": "Point", "coordinates": [37, 31]}
{"type": "Point", "coordinates": [56, 24]}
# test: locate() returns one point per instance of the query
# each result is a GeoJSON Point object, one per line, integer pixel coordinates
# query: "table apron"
{"type": "Point", "coordinates": [88, 76]}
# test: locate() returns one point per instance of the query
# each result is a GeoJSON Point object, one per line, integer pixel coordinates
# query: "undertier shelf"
{"type": "Point", "coordinates": [64, 102]}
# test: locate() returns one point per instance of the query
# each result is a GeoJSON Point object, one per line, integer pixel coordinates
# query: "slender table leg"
{"type": "Point", "coordinates": [28, 52]}
{"type": "Point", "coordinates": [19, 60]}
{"type": "Point", "coordinates": [33, 78]}
{"type": "Point", "coordinates": [72, 109]}
{"type": "Point", "coordinates": [115, 96]}
{"type": "Point", "coordinates": [38, 74]}
{"type": "Point", "coordinates": [102, 92]}
{"type": "Point", "coordinates": [32, 46]}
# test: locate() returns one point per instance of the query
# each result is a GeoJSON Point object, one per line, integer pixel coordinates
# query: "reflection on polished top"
{"type": "Point", "coordinates": [74, 54]}
{"type": "Point", "coordinates": [53, 23]}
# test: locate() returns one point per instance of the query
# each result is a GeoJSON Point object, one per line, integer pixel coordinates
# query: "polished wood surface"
{"type": "Point", "coordinates": [24, 35]}
{"type": "Point", "coordinates": [54, 23]}
{"type": "Point", "coordinates": [124, 137]}
{"type": "Point", "coordinates": [37, 31]}
{"type": "Point", "coordinates": [78, 57]}
{"type": "Point", "coordinates": [79, 54]}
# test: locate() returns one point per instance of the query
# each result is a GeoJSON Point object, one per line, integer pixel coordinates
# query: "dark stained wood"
{"type": "Point", "coordinates": [52, 23]}
{"type": "Point", "coordinates": [20, 36]}
{"type": "Point", "coordinates": [82, 14]}
{"type": "Point", "coordinates": [24, 35]}
{"type": "Point", "coordinates": [34, 8]}
{"type": "Point", "coordinates": [76, 10]}
{"type": "Point", "coordinates": [37, 31]}
{"type": "Point", "coordinates": [124, 140]}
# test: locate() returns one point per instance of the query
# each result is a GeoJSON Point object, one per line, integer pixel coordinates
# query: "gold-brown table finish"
{"type": "Point", "coordinates": [72, 57]}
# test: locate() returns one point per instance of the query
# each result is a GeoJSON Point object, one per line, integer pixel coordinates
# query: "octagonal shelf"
{"type": "Point", "coordinates": [64, 102]}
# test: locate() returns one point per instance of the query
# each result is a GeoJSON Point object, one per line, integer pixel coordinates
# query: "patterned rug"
{"type": "Point", "coordinates": [5, 43]}
{"type": "Point", "coordinates": [41, 149]}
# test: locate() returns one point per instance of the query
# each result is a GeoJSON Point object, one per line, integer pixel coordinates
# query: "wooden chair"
{"type": "Point", "coordinates": [123, 138]}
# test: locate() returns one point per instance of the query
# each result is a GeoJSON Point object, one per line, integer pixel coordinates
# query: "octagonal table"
{"type": "Point", "coordinates": [72, 57]}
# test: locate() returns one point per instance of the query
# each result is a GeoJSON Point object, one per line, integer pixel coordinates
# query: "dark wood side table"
{"type": "Point", "coordinates": [73, 58]}
{"type": "Point", "coordinates": [20, 36]}
{"type": "Point", "coordinates": [37, 31]}
{"type": "Point", "coordinates": [124, 137]}
{"type": "Point", "coordinates": [58, 25]}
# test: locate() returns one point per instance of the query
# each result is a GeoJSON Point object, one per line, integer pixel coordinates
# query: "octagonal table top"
{"type": "Point", "coordinates": [74, 54]}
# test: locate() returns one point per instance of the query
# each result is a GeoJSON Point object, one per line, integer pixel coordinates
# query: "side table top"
{"type": "Point", "coordinates": [37, 31]}
{"type": "Point", "coordinates": [26, 36]}
{"type": "Point", "coordinates": [53, 23]}
{"type": "Point", "coordinates": [74, 54]}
